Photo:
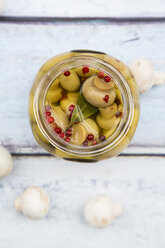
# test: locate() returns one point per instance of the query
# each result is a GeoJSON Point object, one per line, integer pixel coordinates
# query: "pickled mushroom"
{"type": "Point", "coordinates": [70, 81]}
{"type": "Point", "coordinates": [91, 127]}
{"type": "Point", "coordinates": [97, 97]}
{"type": "Point", "coordinates": [108, 112]}
{"type": "Point", "coordinates": [54, 96]}
{"type": "Point", "coordinates": [85, 71]}
{"type": "Point", "coordinates": [60, 117]}
{"type": "Point", "coordinates": [107, 123]}
{"type": "Point", "coordinates": [79, 134]}
{"type": "Point", "coordinates": [71, 98]}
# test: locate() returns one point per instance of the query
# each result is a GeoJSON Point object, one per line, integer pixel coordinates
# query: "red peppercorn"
{"type": "Point", "coordinates": [85, 143]}
{"type": "Point", "coordinates": [57, 130]}
{"type": "Point", "coordinates": [50, 119]}
{"type": "Point", "coordinates": [71, 107]}
{"type": "Point", "coordinates": [107, 79]}
{"type": "Point", "coordinates": [90, 137]}
{"type": "Point", "coordinates": [85, 69]}
{"type": "Point", "coordinates": [106, 98]}
{"type": "Point", "coordinates": [66, 73]}
{"type": "Point", "coordinates": [68, 132]}
{"type": "Point", "coordinates": [102, 138]}
{"type": "Point", "coordinates": [67, 139]}
{"type": "Point", "coordinates": [100, 74]}
{"type": "Point", "coordinates": [62, 135]}
{"type": "Point", "coordinates": [94, 142]}
{"type": "Point", "coordinates": [48, 113]}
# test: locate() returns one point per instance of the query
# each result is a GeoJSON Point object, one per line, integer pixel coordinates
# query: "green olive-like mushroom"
{"type": "Point", "coordinates": [60, 117]}
{"type": "Point", "coordinates": [81, 73]}
{"type": "Point", "coordinates": [91, 127]}
{"type": "Point", "coordinates": [108, 132]}
{"type": "Point", "coordinates": [107, 123]}
{"type": "Point", "coordinates": [95, 96]}
{"type": "Point", "coordinates": [79, 134]}
{"type": "Point", "coordinates": [108, 112]}
{"type": "Point", "coordinates": [54, 96]}
{"type": "Point", "coordinates": [55, 84]}
{"type": "Point", "coordinates": [71, 98]}
{"type": "Point", "coordinates": [70, 81]}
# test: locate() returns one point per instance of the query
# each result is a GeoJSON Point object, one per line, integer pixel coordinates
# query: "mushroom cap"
{"type": "Point", "coordinates": [159, 78]}
{"type": "Point", "coordinates": [100, 211]}
{"type": "Point", "coordinates": [34, 203]}
{"type": "Point", "coordinates": [108, 112]}
{"type": "Point", "coordinates": [79, 134]}
{"type": "Point", "coordinates": [91, 127]}
{"type": "Point", "coordinates": [143, 71]}
{"type": "Point", "coordinates": [70, 83]}
{"type": "Point", "coordinates": [54, 95]}
{"type": "Point", "coordinates": [60, 117]}
{"type": "Point", "coordinates": [71, 98]}
{"type": "Point", "coordinates": [95, 96]}
{"type": "Point", "coordinates": [6, 162]}
{"type": "Point", "coordinates": [80, 72]}
{"type": "Point", "coordinates": [107, 123]}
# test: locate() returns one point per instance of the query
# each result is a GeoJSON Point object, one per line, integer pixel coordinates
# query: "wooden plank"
{"type": "Point", "coordinates": [137, 183]}
{"type": "Point", "coordinates": [113, 8]}
{"type": "Point", "coordinates": [24, 48]}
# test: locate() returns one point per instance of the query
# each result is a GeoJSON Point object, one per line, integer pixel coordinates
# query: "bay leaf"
{"type": "Point", "coordinates": [82, 110]}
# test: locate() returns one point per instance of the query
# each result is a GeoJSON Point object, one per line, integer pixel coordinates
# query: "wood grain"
{"type": "Point", "coordinates": [24, 48]}
{"type": "Point", "coordinates": [106, 8]}
{"type": "Point", "coordinates": [137, 183]}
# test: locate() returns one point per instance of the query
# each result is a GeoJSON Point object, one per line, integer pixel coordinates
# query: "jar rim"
{"type": "Point", "coordinates": [76, 61]}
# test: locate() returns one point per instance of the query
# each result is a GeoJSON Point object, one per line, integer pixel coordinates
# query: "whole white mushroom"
{"type": "Point", "coordinates": [6, 162]}
{"type": "Point", "coordinates": [34, 203]}
{"type": "Point", "coordinates": [159, 78]}
{"type": "Point", "coordinates": [101, 211]}
{"type": "Point", "coordinates": [143, 71]}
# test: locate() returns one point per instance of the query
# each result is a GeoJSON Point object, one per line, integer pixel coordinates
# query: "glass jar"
{"type": "Point", "coordinates": [125, 82]}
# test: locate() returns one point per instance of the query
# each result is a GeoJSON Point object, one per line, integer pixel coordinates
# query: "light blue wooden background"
{"type": "Point", "coordinates": [30, 33]}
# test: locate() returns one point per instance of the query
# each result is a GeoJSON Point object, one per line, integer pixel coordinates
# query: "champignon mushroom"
{"type": "Point", "coordinates": [54, 95]}
{"type": "Point", "coordinates": [95, 96]}
{"type": "Point", "coordinates": [159, 78]}
{"type": "Point", "coordinates": [79, 134]}
{"type": "Point", "coordinates": [108, 112]}
{"type": "Point", "coordinates": [101, 211]}
{"type": "Point", "coordinates": [107, 123]}
{"type": "Point", "coordinates": [60, 117]}
{"type": "Point", "coordinates": [71, 98]}
{"type": "Point", "coordinates": [91, 127]}
{"type": "Point", "coordinates": [6, 162]}
{"type": "Point", "coordinates": [143, 71]}
{"type": "Point", "coordinates": [55, 84]}
{"type": "Point", "coordinates": [70, 81]}
{"type": "Point", "coordinates": [34, 203]}
{"type": "Point", "coordinates": [85, 71]}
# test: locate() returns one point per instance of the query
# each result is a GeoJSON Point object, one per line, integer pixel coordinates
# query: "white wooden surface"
{"type": "Point", "coordinates": [85, 8]}
{"type": "Point", "coordinates": [23, 52]}
{"type": "Point", "coordinates": [139, 187]}
{"type": "Point", "coordinates": [135, 181]}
